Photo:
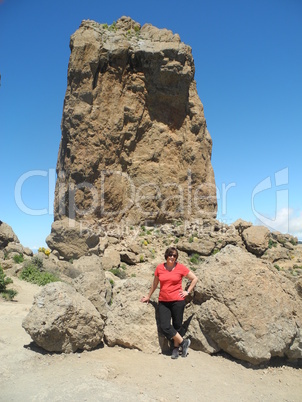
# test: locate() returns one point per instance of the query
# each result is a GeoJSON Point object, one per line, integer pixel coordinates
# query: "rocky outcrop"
{"type": "Point", "coordinates": [134, 145]}
{"type": "Point", "coordinates": [62, 320]}
{"type": "Point", "coordinates": [233, 310]}
{"type": "Point", "coordinates": [244, 304]}
{"type": "Point", "coordinates": [10, 246]}
{"type": "Point", "coordinates": [7, 235]}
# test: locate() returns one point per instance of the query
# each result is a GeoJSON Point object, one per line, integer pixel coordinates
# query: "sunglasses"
{"type": "Point", "coordinates": [172, 255]}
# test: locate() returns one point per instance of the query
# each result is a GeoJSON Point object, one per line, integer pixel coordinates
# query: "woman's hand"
{"type": "Point", "coordinates": [184, 293]}
{"type": "Point", "coordinates": [145, 299]}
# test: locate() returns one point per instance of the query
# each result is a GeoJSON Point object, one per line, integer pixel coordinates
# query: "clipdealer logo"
{"type": "Point", "coordinates": [137, 195]}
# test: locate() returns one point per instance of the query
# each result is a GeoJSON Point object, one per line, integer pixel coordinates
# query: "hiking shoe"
{"type": "Point", "coordinates": [185, 346]}
{"type": "Point", "coordinates": [175, 353]}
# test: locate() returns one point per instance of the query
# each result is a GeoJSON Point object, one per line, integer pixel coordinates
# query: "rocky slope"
{"type": "Point", "coordinates": [247, 302]}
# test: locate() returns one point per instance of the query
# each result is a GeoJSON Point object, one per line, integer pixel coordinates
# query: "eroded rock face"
{"type": "Point", "coordinates": [134, 145]}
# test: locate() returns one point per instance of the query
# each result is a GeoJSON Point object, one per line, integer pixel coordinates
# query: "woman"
{"type": "Point", "coordinates": [171, 300]}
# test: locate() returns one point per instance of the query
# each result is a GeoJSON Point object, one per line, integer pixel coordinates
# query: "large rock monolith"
{"type": "Point", "coordinates": [135, 144]}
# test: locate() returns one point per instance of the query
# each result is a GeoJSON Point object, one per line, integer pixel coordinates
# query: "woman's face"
{"type": "Point", "coordinates": [172, 257]}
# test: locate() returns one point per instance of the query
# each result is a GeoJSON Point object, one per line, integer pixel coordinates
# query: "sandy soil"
{"type": "Point", "coordinates": [116, 374]}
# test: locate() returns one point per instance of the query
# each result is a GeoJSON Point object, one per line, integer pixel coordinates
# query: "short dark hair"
{"type": "Point", "coordinates": [171, 250]}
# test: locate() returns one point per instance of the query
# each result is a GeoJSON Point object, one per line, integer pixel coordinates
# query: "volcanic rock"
{"type": "Point", "coordinates": [246, 308]}
{"type": "Point", "coordinates": [135, 144]}
{"type": "Point", "coordinates": [62, 320]}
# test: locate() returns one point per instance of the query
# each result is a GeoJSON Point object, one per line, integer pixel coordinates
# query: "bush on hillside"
{"type": "Point", "coordinates": [7, 294]}
{"type": "Point", "coordinates": [33, 272]}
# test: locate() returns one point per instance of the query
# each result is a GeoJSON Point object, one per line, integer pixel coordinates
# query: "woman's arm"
{"type": "Point", "coordinates": [146, 299]}
{"type": "Point", "coordinates": [193, 278]}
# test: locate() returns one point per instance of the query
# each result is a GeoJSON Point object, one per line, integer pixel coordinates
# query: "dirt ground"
{"type": "Point", "coordinates": [116, 374]}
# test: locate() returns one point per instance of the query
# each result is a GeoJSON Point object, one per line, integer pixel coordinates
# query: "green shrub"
{"type": "Point", "coordinates": [112, 27]}
{"type": "Point", "coordinates": [3, 280]}
{"type": "Point", "coordinates": [118, 272]}
{"type": "Point", "coordinates": [37, 261]}
{"type": "Point", "coordinates": [31, 273]}
{"type": "Point", "coordinates": [7, 294]}
{"type": "Point", "coordinates": [195, 259]}
{"type": "Point", "coordinates": [215, 251]}
{"type": "Point", "coordinates": [272, 243]}
{"type": "Point", "coordinates": [18, 258]}
{"type": "Point", "coordinates": [293, 242]}
{"type": "Point", "coordinates": [153, 253]}
{"type": "Point", "coordinates": [277, 267]}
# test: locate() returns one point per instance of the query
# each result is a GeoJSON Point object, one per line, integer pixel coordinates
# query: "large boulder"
{"type": "Point", "coordinates": [17, 248]}
{"type": "Point", "coordinates": [246, 308]}
{"type": "Point", "coordinates": [62, 320]}
{"type": "Point", "coordinates": [198, 246]}
{"type": "Point", "coordinates": [63, 269]}
{"type": "Point", "coordinates": [90, 263]}
{"type": "Point", "coordinates": [275, 253]}
{"type": "Point", "coordinates": [111, 258]}
{"type": "Point", "coordinates": [135, 144]}
{"type": "Point", "coordinates": [7, 235]}
{"type": "Point", "coordinates": [133, 324]}
{"type": "Point", "coordinates": [241, 225]}
{"type": "Point", "coordinates": [256, 239]}
{"type": "Point", "coordinates": [71, 239]}
{"type": "Point", "coordinates": [96, 288]}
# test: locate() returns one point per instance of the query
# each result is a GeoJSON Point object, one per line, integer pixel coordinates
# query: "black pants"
{"type": "Point", "coordinates": [171, 310]}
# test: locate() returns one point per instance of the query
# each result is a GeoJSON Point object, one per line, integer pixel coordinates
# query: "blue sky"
{"type": "Point", "coordinates": [248, 61]}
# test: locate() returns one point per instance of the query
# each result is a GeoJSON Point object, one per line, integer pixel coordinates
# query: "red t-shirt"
{"type": "Point", "coordinates": [170, 281]}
